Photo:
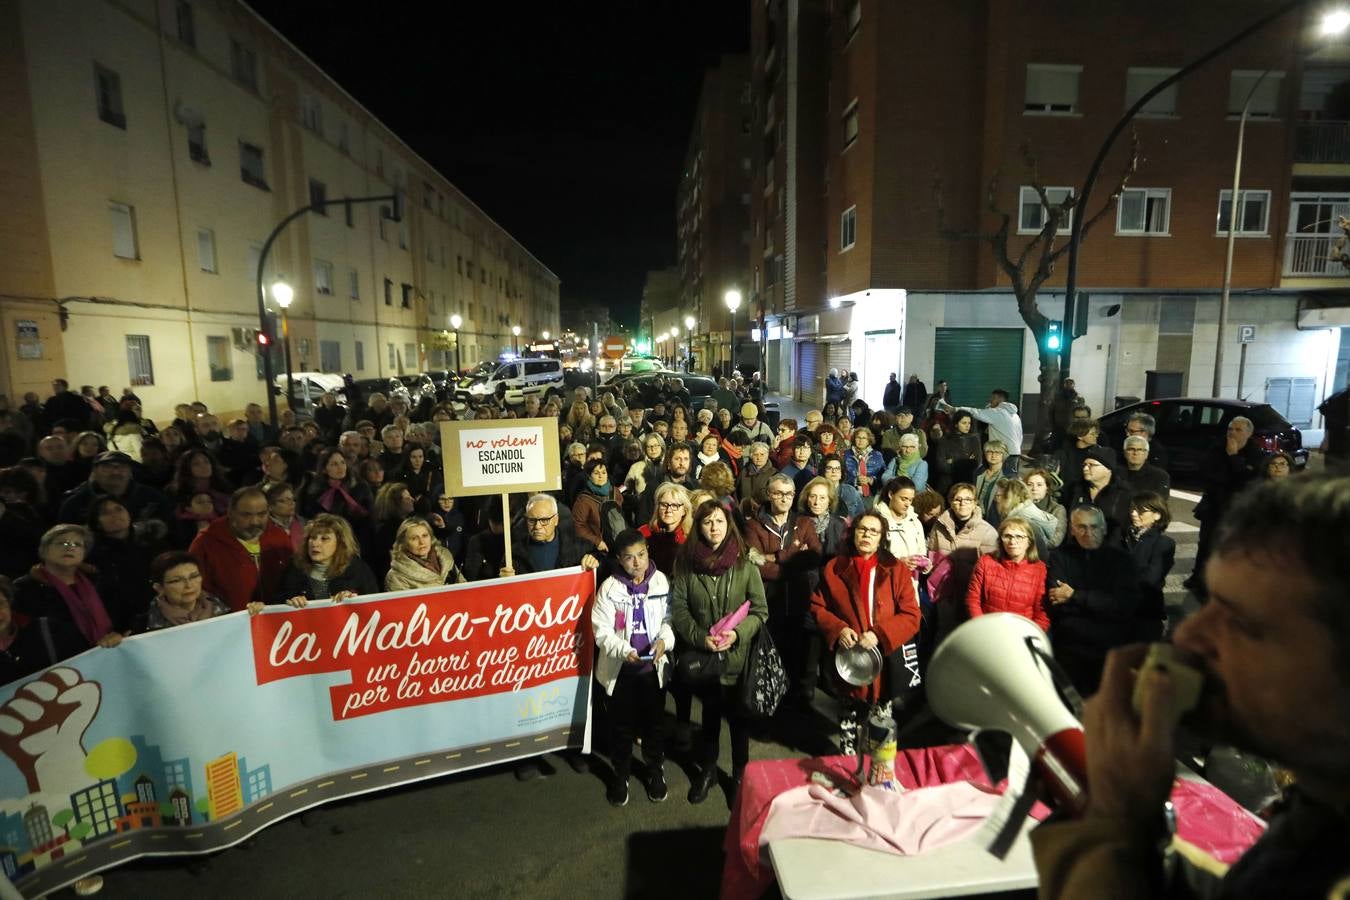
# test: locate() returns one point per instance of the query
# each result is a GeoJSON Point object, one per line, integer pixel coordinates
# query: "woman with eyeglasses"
{"type": "Point", "coordinates": [1012, 578]}
{"type": "Point", "coordinates": [848, 502]}
{"type": "Point", "coordinates": [865, 599]}
{"type": "Point", "coordinates": [176, 579]}
{"type": "Point", "coordinates": [669, 527]}
{"type": "Point", "coordinates": [713, 578]}
{"type": "Point", "coordinates": [61, 597]}
{"type": "Point", "coordinates": [960, 536]}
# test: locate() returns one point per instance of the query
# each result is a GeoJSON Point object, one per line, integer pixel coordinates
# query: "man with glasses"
{"type": "Point", "coordinates": [1145, 426]}
{"type": "Point", "coordinates": [1094, 598]}
{"type": "Point", "coordinates": [540, 546]}
{"type": "Point", "coordinates": [111, 477]}
{"type": "Point", "coordinates": [785, 547]}
{"type": "Point", "coordinates": [1139, 474]}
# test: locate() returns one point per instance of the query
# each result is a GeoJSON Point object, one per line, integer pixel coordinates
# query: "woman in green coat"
{"type": "Point", "coordinates": [713, 577]}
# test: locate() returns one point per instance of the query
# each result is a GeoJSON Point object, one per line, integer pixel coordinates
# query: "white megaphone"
{"type": "Point", "coordinates": [991, 674]}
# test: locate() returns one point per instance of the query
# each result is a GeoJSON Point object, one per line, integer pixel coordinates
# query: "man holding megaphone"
{"type": "Point", "coordinates": [1273, 646]}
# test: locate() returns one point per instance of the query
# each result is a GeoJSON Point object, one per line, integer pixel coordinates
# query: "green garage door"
{"type": "Point", "coordinates": [974, 361]}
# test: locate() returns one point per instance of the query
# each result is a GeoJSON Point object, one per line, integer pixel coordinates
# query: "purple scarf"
{"type": "Point", "coordinates": [84, 604]}
{"type": "Point", "coordinates": [708, 561]}
{"type": "Point", "coordinates": [335, 489]}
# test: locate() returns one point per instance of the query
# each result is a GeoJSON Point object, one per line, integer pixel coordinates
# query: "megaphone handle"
{"type": "Point", "coordinates": [1061, 764]}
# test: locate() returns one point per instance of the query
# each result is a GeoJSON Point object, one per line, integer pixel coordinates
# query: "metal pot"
{"type": "Point", "coordinates": [858, 666]}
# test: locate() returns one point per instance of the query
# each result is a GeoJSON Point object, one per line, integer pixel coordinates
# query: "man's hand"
{"type": "Point", "coordinates": [847, 638]}
{"type": "Point", "coordinates": [506, 572]}
{"type": "Point", "coordinates": [111, 639]}
{"type": "Point", "coordinates": [1060, 592]}
{"type": "Point", "coordinates": [868, 640]}
{"type": "Point", "coordinates": [1130, 760]}
{"type": "Point", "coordinates": [255, 607]}
{"type": "Point", "coordinates": [1233, 444]}
{"type": "Point", "coordinates": [343, 595]}
{"type": "Point", "coordinates": [587, 562]}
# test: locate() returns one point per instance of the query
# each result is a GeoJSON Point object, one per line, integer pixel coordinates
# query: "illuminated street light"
{"type": "Point", "coordinates": [455, 321]}
{"type": "Point", "coordinates": [515, 339]}
{"type": "Point", "coordinates": [1335, 22]}
{"type": "Point", "coordinates": [283, 293]}
{"type": "Point", "coordinates": [733, 301]}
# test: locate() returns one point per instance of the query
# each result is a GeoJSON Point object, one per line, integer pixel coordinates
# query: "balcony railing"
{"type": "Point", "coordinates": [1322, 142]}
{"type": "Point", "coordinates": [1310, 254]}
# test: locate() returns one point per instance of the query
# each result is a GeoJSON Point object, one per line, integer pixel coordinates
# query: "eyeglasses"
{"type": "Point", "coordinates": [873, 532]}
{"type": "Point", "coordinates": [781, 494]}
{"type": "Point", "coordinates": [962, 500]}
{"type": "Point", "coordinates": [70, 545]}
{"type": "Point", "coordinates": [671, 505]}
{"type": "Point", "coordinates": [175, 582]}
{"type": "Point", "coordinates": [1016, 537]}
{"type": "Point", "coordinates": [539, 523]}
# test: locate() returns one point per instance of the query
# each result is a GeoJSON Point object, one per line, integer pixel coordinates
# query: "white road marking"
{"type": "Point", "coordinates": [1185, 495]}
{"type": "Point", "coordinates": [324, 784]}
{"type": "Point", "coordinates": [1181, 528]}
{"type": "Point", "coordinates": [299, 792]}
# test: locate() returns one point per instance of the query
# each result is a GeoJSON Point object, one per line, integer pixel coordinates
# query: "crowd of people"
{"type": "Point", "coordinates": [853, 528]}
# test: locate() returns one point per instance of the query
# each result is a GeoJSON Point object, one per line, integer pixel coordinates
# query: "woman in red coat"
{"type": "Point", "coordinates": [865, 598]}
{"type": "Point", "coordinates": [1012, 578]}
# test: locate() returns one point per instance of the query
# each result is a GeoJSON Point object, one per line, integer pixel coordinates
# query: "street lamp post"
{"type": "Point", "coordinates": [284, 294]}
{"type": "Point", "coordinates": [689, 323]}
{"type": "Point", "coordinates": [733, 301]}
{"type": "Point", "coordinates": [515, 339]}
{"type": "Point", "coordinates": [455, 322]}
{"type": "Point", "coordinates": [674, 344]}
{"type": "Point", "coordinates": [1081, 205]}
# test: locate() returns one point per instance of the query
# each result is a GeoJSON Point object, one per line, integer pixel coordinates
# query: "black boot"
{"type": "Point", "coordinates": [703, 784]}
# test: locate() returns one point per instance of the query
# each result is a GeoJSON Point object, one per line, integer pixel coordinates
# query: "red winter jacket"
{"type": "Point", "coordinates": [1004, 586]}
{"type": "Point", "coordinates": [228, 570]}
{"type": "Point", "coordinates": [840, 602]}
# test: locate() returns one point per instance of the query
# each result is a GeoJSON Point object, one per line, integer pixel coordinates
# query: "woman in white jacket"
{"type": "Point", "coordinates": [631, 620]}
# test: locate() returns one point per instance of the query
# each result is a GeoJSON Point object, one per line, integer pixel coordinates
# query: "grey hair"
{"type": "Point", "coordinates": [1136, 440]}
{"type": "Point", "coordinates": [51, 535]}
{"type": "Point", "coordinates": [543, 498]}
{"type": "Point", "coordinates": [350, 434]}
{"type": "Point", "coordinates": [1098, 517]}
{"type": "Point", "coordinates": [997, 446]}
{"type": "Point", "coordinates": [390, 429]}
{"type": "Point", "coordinates": [780, 478]}
{"type": "Point", "coordinates": [757, 445]}
{"type": "Point", "coordinates": [1244, 419]}
{"type": "Point", "coordinates": [607, 417]}
{"type": "Point", "coordinates": [575, 445]}
{"type": "Point", "coordinates": [1150, 424]}
{"type": "Point", "coordinates": [654, 438]}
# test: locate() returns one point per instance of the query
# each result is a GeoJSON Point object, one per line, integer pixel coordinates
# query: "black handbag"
{"type": "Point", "coordinates": [698, 668]}
{"type": "Point", "coordinates": [764, 682]}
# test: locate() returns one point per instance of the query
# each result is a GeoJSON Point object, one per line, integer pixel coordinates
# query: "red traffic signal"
{"type": "Point", "coordinates": [263, 339]}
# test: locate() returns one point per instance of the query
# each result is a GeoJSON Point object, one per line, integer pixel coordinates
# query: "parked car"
{"type": "Point", "coordinates": [307, 388]}
{"type": "Point", "coordinates": [643, 387]}
{"type": "Point", "coordinates": [1190, 427]}
{"type": "Point", "coordinates": [417, 386]}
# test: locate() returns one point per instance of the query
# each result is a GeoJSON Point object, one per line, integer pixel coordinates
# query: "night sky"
{"type": "Point", "coordinates": [566, 122]}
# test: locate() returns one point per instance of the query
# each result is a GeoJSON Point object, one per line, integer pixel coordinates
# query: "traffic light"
{"type": "Point", "coordinates": [1054, 335]}
{"type": "Point", "coordinates": [263, 339]}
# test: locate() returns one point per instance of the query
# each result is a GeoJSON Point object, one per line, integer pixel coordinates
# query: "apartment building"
{"type": "Point", "coordinates": [151, 148]}
{"type": "Point", "coordinates": [927, 105]}
{"type": "Point", "coordinates": [713, 214]}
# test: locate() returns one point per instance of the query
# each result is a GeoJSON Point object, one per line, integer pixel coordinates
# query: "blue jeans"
{"type": "Point", "coordinates": [1012, 467]}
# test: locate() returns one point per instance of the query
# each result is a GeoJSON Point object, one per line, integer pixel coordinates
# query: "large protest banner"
{"type": "Point", "coordinates": [191, 739]}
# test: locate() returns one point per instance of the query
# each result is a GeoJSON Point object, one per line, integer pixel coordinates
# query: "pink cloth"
{"type": "Point", "coordinates": [731, 619]}
{"type": "Point", "coordinates": [1213, 821]}
{"type": "Point", "coordinates": [907, 823]}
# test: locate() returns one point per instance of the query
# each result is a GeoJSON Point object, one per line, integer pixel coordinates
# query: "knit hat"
{"type": "Point", "coordinates": [1100, 455]}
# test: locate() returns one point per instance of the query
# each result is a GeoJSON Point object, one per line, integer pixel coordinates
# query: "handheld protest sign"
{"type": "Point", "coordinates": [501, 456]}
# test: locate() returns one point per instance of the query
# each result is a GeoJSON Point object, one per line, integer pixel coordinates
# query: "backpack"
{"type": "Point", "coordinates": [612, 522]}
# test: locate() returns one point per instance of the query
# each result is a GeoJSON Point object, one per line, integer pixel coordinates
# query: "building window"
{"type": "Point", "coordinates": [407, 292]}
{"type": "Point", "coordinates": [403, 234]}
{"type": "Point", "coordinates": [244, 65]}
{"type": "Point", "coordinates": [853, 19]}
{"type": "Point", "coordinates": [1139, 81]}
{"type": "Point", "coordinates": [459, 264]}
{"type": "Point", "coordinates": [197, 143]}
{"type": "Point", "coordinates": [1265, 102]}
{"type": "Point", "coordinates": [323, 276]}
{"type": "Point", "coordinates": [410, 356]}
{"type": "Point", "coordinates": [187, 27]}
{"type": "Point", "coordinates": [1052, 89]}
{"type": "Point", "coordinates": [318, 196]}
{"type": "Point", "coordinates": [218, 358]}
{"type": "Point", "coordinates": [139, 367]}
{"type": "Point", "coordinates": [206, 250]}
{"type": "Point", "coordinates": [124, 231]}
{"type": "Point", "coordinates": [354, 284]}
{"type": "Point", "coordinates": [850, 118]}
{"type": "Point", "coordinates": [1144, 211]}
{"type": "Point", "coordinates": [1253, 216]}
{"type": "Point", "coordinates": [388, 292]}
{"type": "Point", "coordinates": [344, 139]}
{"type": "Point", "coordinates": [848, 228]}
{"type": "Point", "coordinates": [1032, 213]}
{"type": "Point", "coordinates": [330, 356]}
{"type": "Point", "coordinates": [311, 114]}
{"type": "Point", "coordinates": [108, 91]}
{"type": "Point", "coordinates": [360, 356]}
{"type": "Point", "coordinates": [393, 358]}
{"type": "Point", "coordinates": [251, 170]}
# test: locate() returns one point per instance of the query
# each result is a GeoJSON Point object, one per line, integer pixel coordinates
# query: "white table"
{"type": "Point", "coordinates": [816, 869]}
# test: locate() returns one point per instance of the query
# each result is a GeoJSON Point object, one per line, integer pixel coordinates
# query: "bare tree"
{"type": "Point", "coordinates": [1034, 264]}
